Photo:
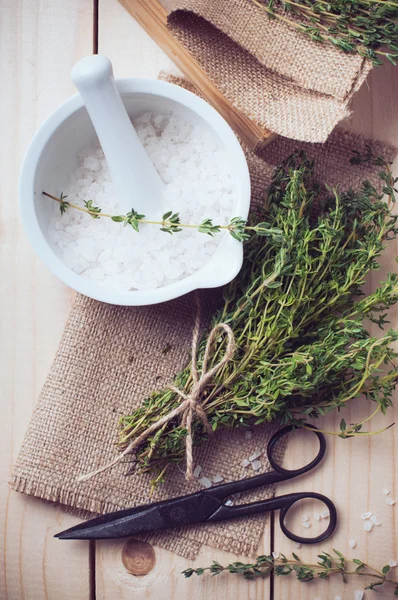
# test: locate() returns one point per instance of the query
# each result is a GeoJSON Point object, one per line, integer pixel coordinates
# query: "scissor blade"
{"type": "Point", "coordinates": [144, 519]}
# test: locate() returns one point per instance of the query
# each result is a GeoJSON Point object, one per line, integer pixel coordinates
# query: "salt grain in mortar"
{"type": "Point", "coordinates": [198, 185]}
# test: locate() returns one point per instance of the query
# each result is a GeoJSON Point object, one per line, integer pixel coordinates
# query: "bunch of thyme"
{"type": "Point", "coordinates": [297, 311]}
{"type": "Point", "coordinates": [327, 565]}
{"type": "Point", "coordinates": [367, 27]}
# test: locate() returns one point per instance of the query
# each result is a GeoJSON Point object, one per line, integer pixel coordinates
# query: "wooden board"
{"type": "Point", "coordinates": [151, 15]}
{"type": "Point", "coordinates": [39, 42]}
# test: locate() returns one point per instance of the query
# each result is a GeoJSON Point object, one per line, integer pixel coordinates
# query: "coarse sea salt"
{"type": "Point", "coordinates": [205, 482]}
{"type": "Point", "coordinates": [255, 455]}
{"type": "Point", "coordinates": [256, 465]}
{"type": "Point", "coordinates": [198, 185]}
{"type": "Point", "coordinates": [197, 471]}
{"type": "Point", "coordinates": [375, 520]}
{"type": "Point", "coordinates": [218, 479]}
{"type": "Point", "coordinates": [366, 515]}
{"type": "Point", "coordinates": [304, 518]}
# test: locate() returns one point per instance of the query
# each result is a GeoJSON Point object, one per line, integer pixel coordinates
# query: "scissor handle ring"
{"type": "Point", "coordinates": [291, 499]}
{"type": "Point", "coordinates": [295, 472]}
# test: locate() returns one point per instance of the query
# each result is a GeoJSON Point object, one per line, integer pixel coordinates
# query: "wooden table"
{"type": "Point", "coordinates": [39, 43]}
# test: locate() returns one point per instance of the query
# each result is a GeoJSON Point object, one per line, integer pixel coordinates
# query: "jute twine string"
{"type": "Point", "coordinates": [191, 404]}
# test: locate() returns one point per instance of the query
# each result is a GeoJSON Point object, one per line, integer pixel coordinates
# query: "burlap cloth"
{"type": "Point", "coordinates": [267, 69]}
{"type": "Point", "coordinates": [110, 358]}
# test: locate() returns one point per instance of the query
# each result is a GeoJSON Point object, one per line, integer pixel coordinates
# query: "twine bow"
{"type": "Point", "coordinates": [191, 404]}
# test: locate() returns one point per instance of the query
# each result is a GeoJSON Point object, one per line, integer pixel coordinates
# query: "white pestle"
{"type": "Point", "coordinates": [136, 182]}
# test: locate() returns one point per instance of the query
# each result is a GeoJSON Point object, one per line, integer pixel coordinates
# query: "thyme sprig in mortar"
{"type": "Point", "coordinates": [297, 311]}
{"type": "Point", "coordinates": [170, 222]}
{"type": "Point", "coordinates": [366, 27]}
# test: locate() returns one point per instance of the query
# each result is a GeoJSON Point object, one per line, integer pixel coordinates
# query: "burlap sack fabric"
{"type": "Point", "coordinates": [267, 69]}
{"type": "Point", "coordinates": [110, 358]}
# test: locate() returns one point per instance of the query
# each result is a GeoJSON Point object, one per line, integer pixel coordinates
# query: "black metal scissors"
{"type": "Point", "coordinates": [209, 505]}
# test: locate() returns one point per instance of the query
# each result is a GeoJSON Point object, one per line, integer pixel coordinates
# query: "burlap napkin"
{"type": "Point", "coordinates": [267, 69]}
{"type": "Point", "coordinates": [110, 358]}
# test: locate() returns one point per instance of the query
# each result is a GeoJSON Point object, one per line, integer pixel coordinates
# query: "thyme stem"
{"type": "Point", "coordinates": [329, 564]}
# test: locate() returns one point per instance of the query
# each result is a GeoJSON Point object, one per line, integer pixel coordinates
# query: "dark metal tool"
{"type": "Point", "coordinates": [209, 505]}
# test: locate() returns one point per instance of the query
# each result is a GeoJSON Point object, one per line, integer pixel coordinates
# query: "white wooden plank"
{"type": "Point", "coordinates": [134, 54]}
{"type": "Point", "coordinates": [131, 50]}
{"type": "Point", "coordinates": [165, 580]}
{"type": "Point", "coordinates": [39, 42]}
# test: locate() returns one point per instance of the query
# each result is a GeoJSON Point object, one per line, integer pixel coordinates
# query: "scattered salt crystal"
{"type": "Point", "coordinates": [386, 491]}
{"type": "Point", "coordinates": [184, 155]}
{"type": "Point", "coordinates": [392, 563]}
{"type": "Point", "coordinates": [366, 515]}
{"type": "Point", "coordinates": [248, 435]}
{"type": "Point", "coordinates": [245, 463]}
{"type": "Point", "coordinates": [205, 482]}
{"type": "Point", "coordinates": [276, 554]}
{"type": "Point", "coordinates": [368, 525]}
{"type": "Point", "coordinates": [218, 479]}
{"type": "Point", "coordinates": [304, 518]}
{"type": "Point", "coordinates": [358, 595]}
{"type": "Point", "coordinates": [297, 545]}
{"type": "Point", "coordinates": [325, 514]}
{"type": "Point", "coordinates": [229, 502]}
{"type": "Point", "coordinates": [306, 524]}
{"type": "Point", "coordinates": [256, 465]}
{"type": "Point", "coordinates": [352, 543]}
{"type": "Point", "coordinates": [197, 471]}
{"type": "Point", "coordinates": [375, 520]}
{"type": "Point", "coordinates": [390, 501]}
{"type": "Point", "coordinates": [255, 455]}
{"type": "Point", "coordinates": [317, 516]}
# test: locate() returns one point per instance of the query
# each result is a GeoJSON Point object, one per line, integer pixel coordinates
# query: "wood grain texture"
{"type": "Point", "coordinates": [39, 42]}
{"type": "Point", "coordinates": [356, 471]}
{"type": "Point", "coordinates": [152, 16]}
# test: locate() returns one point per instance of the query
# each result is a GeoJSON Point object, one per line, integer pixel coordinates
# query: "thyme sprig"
{"type": "Point", "coordinates": [327, 566]}
{"type": "Point", "coordinates": [367, 27]}
{"type": "Point", "coordinates": [170, 223]}
{"type": "Point", "coordinates": [299, 316]}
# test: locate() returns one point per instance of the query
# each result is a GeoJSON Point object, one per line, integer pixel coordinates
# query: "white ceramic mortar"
{"type": "Point", "coordinates": [52, 157]}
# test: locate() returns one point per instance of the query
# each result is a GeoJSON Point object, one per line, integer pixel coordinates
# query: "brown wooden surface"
{"type": "Point", "coordinates": [39, 43]}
